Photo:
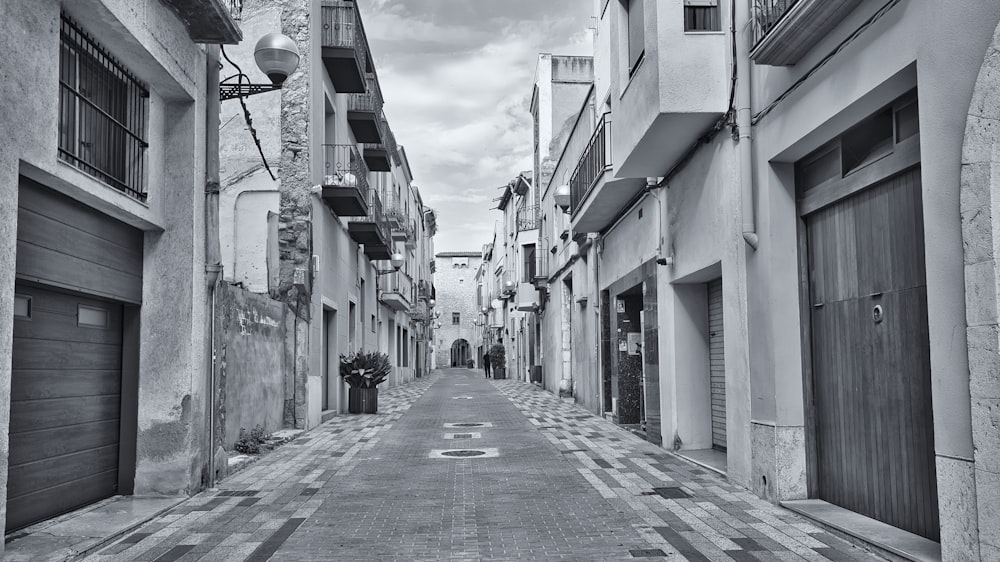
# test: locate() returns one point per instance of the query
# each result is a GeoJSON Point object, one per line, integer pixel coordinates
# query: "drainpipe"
{"type": "Point", "coordinates": [213, 263]}
{"type": "Point", "coordinates": [742, 132]}
{"type": "Point", "coordinates": [663, 237]}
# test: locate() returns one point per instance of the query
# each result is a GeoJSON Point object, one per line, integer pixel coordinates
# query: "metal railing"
{"type": "Point", "coordinates": [542, 261]}
{"type": "Point", "coordinates": [103, 112]}
{"type": "Point", "coordinates": [528, 218]}
{"type": "Point", "coordinates": [595, 160]}
{"type": "Point", "coordinates": [371, 100]}
{"type": "Point", "coordinates": [392, 204]}
{"type": "Point", "coordinates": [342, 28]}
{"type": "Point", "coordinates": [398, 282]}
{"type": "Point", "coordinates": [235, 9]}
{"type": "Point", "coordinates": [344, 167]}
{"type": "Point", "coordinates": [390, 143]}
{"type": "Point", "coordinates": [765, 15]}
{"type": "Point", "coordinates": [375, 215]}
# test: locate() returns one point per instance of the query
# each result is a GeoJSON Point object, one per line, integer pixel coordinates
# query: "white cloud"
{"type": "Point", "coordinates": [457, 77]}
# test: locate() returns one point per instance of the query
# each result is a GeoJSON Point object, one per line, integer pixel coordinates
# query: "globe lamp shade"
{"type": "Point", "coordinates": [397, 260]}
{"type": "Point", "coordinates": [277, 56]}
{"type": "Point", "coordinates": [562, 197]}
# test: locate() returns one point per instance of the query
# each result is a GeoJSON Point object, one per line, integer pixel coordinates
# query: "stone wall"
{"type": "Point", "coordinates": [456, 292]}
{"type": "Point", "coordinates": [980, 209]}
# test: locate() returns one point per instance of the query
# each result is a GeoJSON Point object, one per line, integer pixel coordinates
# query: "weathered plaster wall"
{"type": "Point", "coordinates": [251, 334]}
{"type": "Point", "coordinates": [151, 41]}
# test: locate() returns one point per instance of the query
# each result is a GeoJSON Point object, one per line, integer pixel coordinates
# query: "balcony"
{"type": "Point", "coordinates": [411, 241]}
{"type": "Point", "coordinates": [210, 21]}
{"type": "Point", "coordinates": [424, 290]}
{"type": "Point", "coordinates": [526, 298]}
{"type": "Point", "coordinates": [345, 180]}
{"type": "Point", "coordinates": [528, 218]}
{"type": "Point", "coordinates": [542, 255]}
{"type": "Point", "coordinates": [371, 230]}
{"type": "Point", "coordinates": [595, 195]}
{"type": "Point", "coordinates": [783, 31]}
{"type": "Point", "coordinates": [345, 47]}
{"type": "Point", "coordinates": [671, 98]}
{"type": "Point", "coordinates": [419, 312]}
{"type": "Point", "coordinates": [396, 291]}
{"type": "Point", "coordinates": [377, 154]}
{"type": "Point", "coordinates": [392, 206]}
{"type": "Point", "coordinates": [364, 112]}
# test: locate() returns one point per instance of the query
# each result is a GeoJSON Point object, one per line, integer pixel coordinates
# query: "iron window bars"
{"type": "Point", "coordinates": [103, 112]}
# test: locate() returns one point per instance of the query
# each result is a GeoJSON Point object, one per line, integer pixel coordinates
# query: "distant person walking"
{"type": "Point", "coordinates": [486, 363]}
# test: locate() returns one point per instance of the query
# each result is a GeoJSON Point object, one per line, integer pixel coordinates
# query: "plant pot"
{"type": "Point", "coordinates": [362, 400]}
{"type": "Point", "coordinates": [499, 372]}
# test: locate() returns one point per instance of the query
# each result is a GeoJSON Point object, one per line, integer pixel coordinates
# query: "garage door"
{"type": "Point", "coordinates": [75, 269]}
{"type": "Point", "coordinates": [717, 364]}
{"type": "Point", "coordinates": [65, 403]}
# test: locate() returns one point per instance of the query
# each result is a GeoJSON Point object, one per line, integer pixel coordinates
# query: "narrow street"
{"type": "Point", "coordinates": [556, 483]}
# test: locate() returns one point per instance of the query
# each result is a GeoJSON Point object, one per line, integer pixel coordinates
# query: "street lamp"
{"type": "Point", "coordinates": [276, 55]}
{"type": "Point", "coordinates": [396, 261]}
{"type": "Point", "coordinates": [562, 197]}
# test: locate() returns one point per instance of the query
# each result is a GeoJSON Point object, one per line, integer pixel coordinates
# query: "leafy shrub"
{"type": "Point", "coordinates": [249, 444]}
{"type": "Point", "coordinates": [498, 356]}
{"type": "Point", "coordinates": [365, 369]}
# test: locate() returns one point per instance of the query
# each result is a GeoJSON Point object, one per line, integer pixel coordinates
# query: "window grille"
{"type": "Point", "coordinates": [102, 113]}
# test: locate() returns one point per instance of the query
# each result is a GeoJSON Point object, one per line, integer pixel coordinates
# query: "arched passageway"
{"type": "Point", "coordinates": [461, 353]}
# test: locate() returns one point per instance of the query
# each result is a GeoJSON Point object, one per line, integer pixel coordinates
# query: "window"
{"type": "Point", "coordinates": [456, 318]}
{"type": "Point", "coordinates": [529, 263]}
{"type": "Point", "coordinates": [22, 307]}
{"type": "Point", "coordinates": [405, 341]}
{"type": "Point", "coordinates": [102, 113]}
{"type": "Point", "coordinates": [636, 34]}
{"type": "Point", "coordinates": [702, 15]}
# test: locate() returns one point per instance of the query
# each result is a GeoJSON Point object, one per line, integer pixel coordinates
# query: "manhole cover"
{"type": "Point", "coordinates": [464, 453]}
{"type": "Point", "coordinates": [481, 453]}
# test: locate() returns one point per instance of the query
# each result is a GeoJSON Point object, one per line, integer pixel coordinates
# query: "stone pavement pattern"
{"type": "Point", "coordinates": [564, 485]}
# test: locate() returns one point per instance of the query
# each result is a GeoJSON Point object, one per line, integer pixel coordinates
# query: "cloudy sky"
{"type": "Point", "coordinates": [457, 76]}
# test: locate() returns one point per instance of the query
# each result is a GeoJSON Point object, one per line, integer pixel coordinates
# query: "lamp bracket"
{"type": "Point", "coordinates": [230, 91]}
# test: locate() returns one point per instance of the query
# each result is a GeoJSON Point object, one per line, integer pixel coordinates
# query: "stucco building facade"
{"type": "Point", "coordinates": [107, 278]}
{"type": "Point", "coordinates": [771, 223]}
{"type": "Point", "coordinates": [317, 227]}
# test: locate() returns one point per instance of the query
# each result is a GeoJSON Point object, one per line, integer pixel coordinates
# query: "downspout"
{"type": "Point", "coordinates": [742, 130]}
{"type": "Point", "coordinates": [213, 263]}
{"type": "Point", "coordinates": [664, 237]}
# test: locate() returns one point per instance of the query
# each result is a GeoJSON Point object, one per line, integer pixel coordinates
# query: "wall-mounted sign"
{"type": "Point", "coordinates": [619, 306]}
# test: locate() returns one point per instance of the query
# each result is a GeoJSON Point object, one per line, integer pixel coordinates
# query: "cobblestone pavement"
{"type": "Point", "coordinates": [553, 482]}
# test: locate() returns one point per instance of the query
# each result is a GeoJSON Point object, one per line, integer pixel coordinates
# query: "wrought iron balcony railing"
{"type": "Point", "coordinates": [344, 167]}
{"type": "Point", "coordinates": [342, 28]}
{"type": "Point", "coordinates": [528, 218]}
{"type": "Point", "coordinates": [369, 101]}
{"type": "Point", "coordinates": [595, 160]}
{"type": "Point", "coordinates": [765, 16]}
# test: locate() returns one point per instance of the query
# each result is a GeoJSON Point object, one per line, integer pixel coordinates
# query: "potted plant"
{"type": "Point", "coordinates": [498, 361]}
{"type": "Point", "coordinates": [363, 371]}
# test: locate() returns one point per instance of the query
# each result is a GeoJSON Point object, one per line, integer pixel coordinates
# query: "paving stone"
{"type": "Point", "coordinates": [566, 485]}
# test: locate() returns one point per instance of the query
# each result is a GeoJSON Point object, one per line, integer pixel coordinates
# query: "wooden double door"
{"type": "Point", "coordinates": [873, 427]}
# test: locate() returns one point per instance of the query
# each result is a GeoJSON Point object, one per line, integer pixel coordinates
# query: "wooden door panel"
{"type": "Point", "coordinates": [871, 379]}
